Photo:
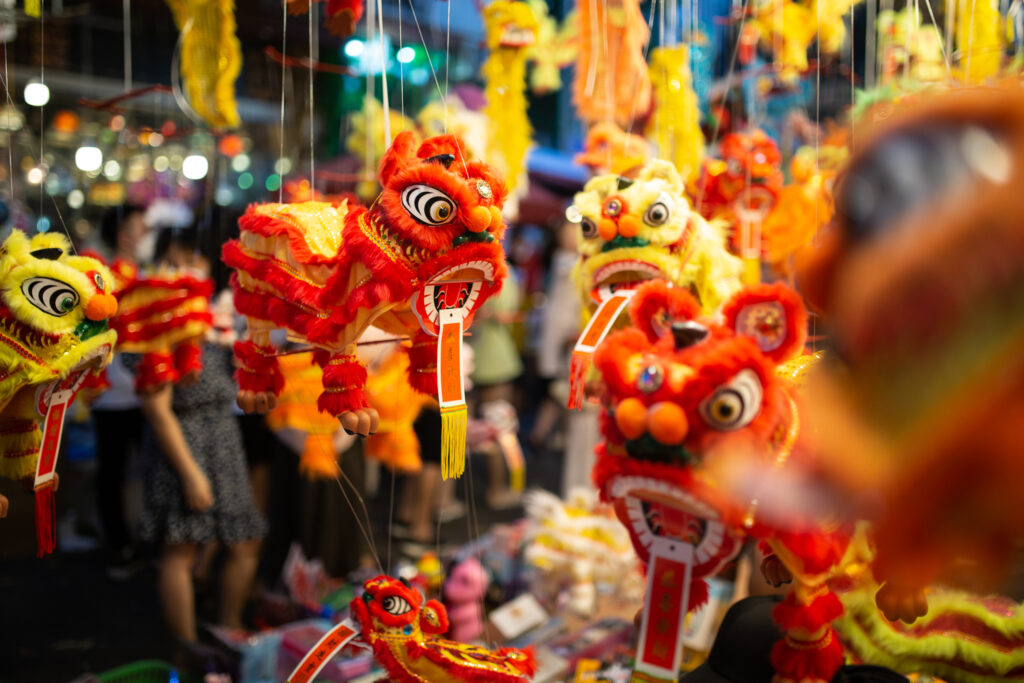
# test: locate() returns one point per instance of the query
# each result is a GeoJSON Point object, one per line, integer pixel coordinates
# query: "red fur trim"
{"type": "Point", "coordinates": [188, 357]}
{"type": "Point", "coordinates": [423, 363]}
{"type": "Point", "coordinates": [796, 663]}
{"type": "Point", "coordinates": [96, 382]}
{"type": "Point", "coordinates": [818, 551]}
{"type": "Point", "coordinates": [399, 154]}
{"type": "Point", "coordinates": [197, 287]}
{"type": "Point", "coordinates": [439, 611]}
{"type": "Point", "coordinates": [793, 309]}
{"type": "Point", "coordinates": [258, 368]}
{"type": "Point", "coordinates": [698, 594]}
{"type": "Point", "coordinates": [270, 225]}
{"type": "Point", "coordinates": [266, 306]}
{"type": "Point", "coordinates": [127, 316]}
{"type": "Point", "coordinates": [152, 331]}
{"type": "Point", "coordinates": [344, 380]}
{"type": "Point", "coordinates": [9, 324]}
{"type": "Point", "coordinates": [155, 370]}
{"type": "Point", "coordinates": [272, 272]}
{"type": "Point", "coordinates": [823, 609]}
{"type": "Point", "coordinates": [659, 299]}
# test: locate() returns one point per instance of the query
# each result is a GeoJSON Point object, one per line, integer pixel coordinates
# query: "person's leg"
{"type": "Point", "coordinates": [113, 445]}
{"type": "Point", "coordinates": [176, 591]}
{"type": "Point", "coordinates": [426, 487]}
{"type": "Point", "coordinates": [236, 580]}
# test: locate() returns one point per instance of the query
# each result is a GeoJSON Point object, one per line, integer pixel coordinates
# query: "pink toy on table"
{"type": "Point", "coordinates": [463, 596]}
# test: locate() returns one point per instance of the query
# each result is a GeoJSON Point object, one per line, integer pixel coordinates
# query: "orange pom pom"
{"type": "Point", "coordinates": [631, 418]}
{"type": "Point", "coordinates": [629, 226]}
{"type": "Point", "coordinates": [479, 218]}
{"type": "Point", "coordinates": [606, 229]}
{"type": "Point", "coordinates": [667, 423]}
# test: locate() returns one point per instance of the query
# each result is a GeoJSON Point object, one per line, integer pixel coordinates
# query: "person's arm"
{"type": "Point", "coordinates": [156, 407]}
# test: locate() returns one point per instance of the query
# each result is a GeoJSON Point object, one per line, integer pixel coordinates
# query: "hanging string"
{"type": "Point", "coordinates": [870, 51]}
{"type": "Point", "coordinates": [371, 28]}
{"type": "Point", "coordinates": [938, 36]}
{"type": "Point", "coordinates": [312, 57]}
{"type": "Point", "coordinates": [384, 76]}
{"type": "Point", "coordinates": [647, 50]}
{"type": "Point", "coordinates": [853, 79]}
{"type": "Point", "coordinates": [126, 11]}
{"type": "Point", "coordinates": [970, 44]}
{"type": "Point", "coordinates": [359, 522]}
{"type": "Point", "coordinates": [284, 72]}
{"type": "Point", "coordinates": [447, 61]}
{"type": "Point", "coordinates": [951, 11]}
{"type": "Point", "coordinates": [401, 66]}
{"type": "Point", "coordinates": [10, 113]}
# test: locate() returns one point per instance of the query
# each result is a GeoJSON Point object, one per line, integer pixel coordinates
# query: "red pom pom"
{"type": "Point", "coordinates": [798, 661]}
{"type": "Point", "coordinates": [423, 363]}
{"type": "Point", "coordinates": [344, 382]}
{"type": "Point", "coordinates": [258, 368]}
{"type": "Point", "coordinates": [822, 610]}
{"type": "Point", "coordinates": [659, 298]}
{"type": "Point", "coordinates": [188, 358]}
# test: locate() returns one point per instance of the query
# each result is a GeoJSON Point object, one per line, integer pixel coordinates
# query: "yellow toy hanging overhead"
{"type": "Point", "coordinates": [555, 49]}
{"type": "Point", "coordinates": [674, 127]}
{"type": "Point", "coordinates": [788, 28]}
{"type": "Point", "coordinates": [211, 58]}
{"type": "Point", "coordinates": [612, 81]}
{"type": "Point", "coordinates": [979, 39]}
{"type": "Point", "coordinates": [511, 30]}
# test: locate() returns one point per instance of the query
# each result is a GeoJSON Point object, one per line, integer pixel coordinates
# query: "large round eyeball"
{"type": "Point", "coordinates": [428, 205]}
{"type": "Point", "coordinates": [658, 213]}
{"type": "Point", "coordinates": [734, 404]}
{"type": "Point", "coordinates": [50, 296]}
{"type": "Point", "coordinates": [588, 227]}
{"type": "Point", "coordinates": [396, 605]}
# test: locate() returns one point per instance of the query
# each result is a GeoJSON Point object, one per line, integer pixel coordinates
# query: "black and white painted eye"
{"type": "Point", "coordinates": [734, 404]}
{"type": "Point", "coordinates": [50, 296]}
{"type": "Point", "coordinates": [396, 605]}
{"type": "Point", "coordinates": [428, 205]}
{"type": "Point", "coordinates": [588, 227]}
{"type": "Point", "coordinates": [659, 212]}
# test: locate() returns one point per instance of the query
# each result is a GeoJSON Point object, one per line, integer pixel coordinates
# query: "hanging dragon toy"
{"type": "Point", "coordinates": [418, 263]}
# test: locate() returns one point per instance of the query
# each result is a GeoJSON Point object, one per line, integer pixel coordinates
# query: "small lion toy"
{"type": "Point", "coordinates": [405, 631]}
{"type": "Point", "coordinates": [55, 309]}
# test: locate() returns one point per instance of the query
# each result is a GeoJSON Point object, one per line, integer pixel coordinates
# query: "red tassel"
{"type": "Point", "coordinates": [46, 521]}
{"type": "Point", "coordinates": [798, 661]}
{"type": "Point", "coordinates": [344, 383]}
{"type": "Point", "coordinates": [578, 367]}
{"type": "Point", "coordinates": [258, 368]}
{"type": "Point", "coordinates": [423, 363]}
{"type": "Point", "coordinates": [823, 609]}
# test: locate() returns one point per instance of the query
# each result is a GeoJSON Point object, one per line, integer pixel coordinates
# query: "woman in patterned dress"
{"type": "Point", "coordinates": [196, 485]}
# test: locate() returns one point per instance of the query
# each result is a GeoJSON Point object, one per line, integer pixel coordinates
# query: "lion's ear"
{"type": "Point", "coordinates": [659, 168]}
{"type": "Point", "coordinates": [773, 316]}
{"type": "Point", "coordinates": [401, 153]}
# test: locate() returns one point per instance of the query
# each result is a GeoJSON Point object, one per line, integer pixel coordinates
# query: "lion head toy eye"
{"type": "Point", "coordinates": [588, 228]}
{"type": "Point", "coordinates": [735, 404]}
{"type": "Point", "coordinates": [50, 296]}
{"type": "Point", "coordinates": [659, 212]}
{"type": "Point", "coordinates": [396, 605]}
{"type": "Point", "coordinates": [428, 205]}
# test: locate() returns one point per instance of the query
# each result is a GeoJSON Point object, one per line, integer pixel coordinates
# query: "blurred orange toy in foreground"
{"type": "Point", "coordinates": [922, 283]}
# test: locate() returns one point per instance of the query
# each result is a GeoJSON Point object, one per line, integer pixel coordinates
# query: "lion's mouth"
{"type": "Point", "coordinates": [622, 275]}
{"type": "Point", "coordinates": [660, 510]}
{"type": "Point", "coordinates": [456, 290]}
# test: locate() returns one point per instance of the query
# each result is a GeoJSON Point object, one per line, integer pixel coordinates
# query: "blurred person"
{"type": "Point", "coordinates": [116, 413]}
{"type": "Point", "coordinates": [560, 326]}
{"type": "Point", "coordinates": [496, 366]}
{"type": "Point", "coordinates": [196, 484]}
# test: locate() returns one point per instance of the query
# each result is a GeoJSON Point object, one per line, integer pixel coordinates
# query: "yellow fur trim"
{"type": "Point", "coordinates": [978, 39]}
{"type": "Point", "coordinates": [19, 437]}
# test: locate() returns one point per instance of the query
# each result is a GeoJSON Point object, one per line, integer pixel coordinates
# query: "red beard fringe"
{"type": "Point", "coordinates": [824, 609]}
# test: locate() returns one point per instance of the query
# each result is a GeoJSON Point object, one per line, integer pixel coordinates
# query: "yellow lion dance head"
{"type": "Point", "coordinates": [639, 229]}
{"type": "Point", "coordinates": [54, 309]}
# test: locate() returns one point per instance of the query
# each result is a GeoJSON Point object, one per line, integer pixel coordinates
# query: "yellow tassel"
{"type": "Point", "coordinates": [453, 441]}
